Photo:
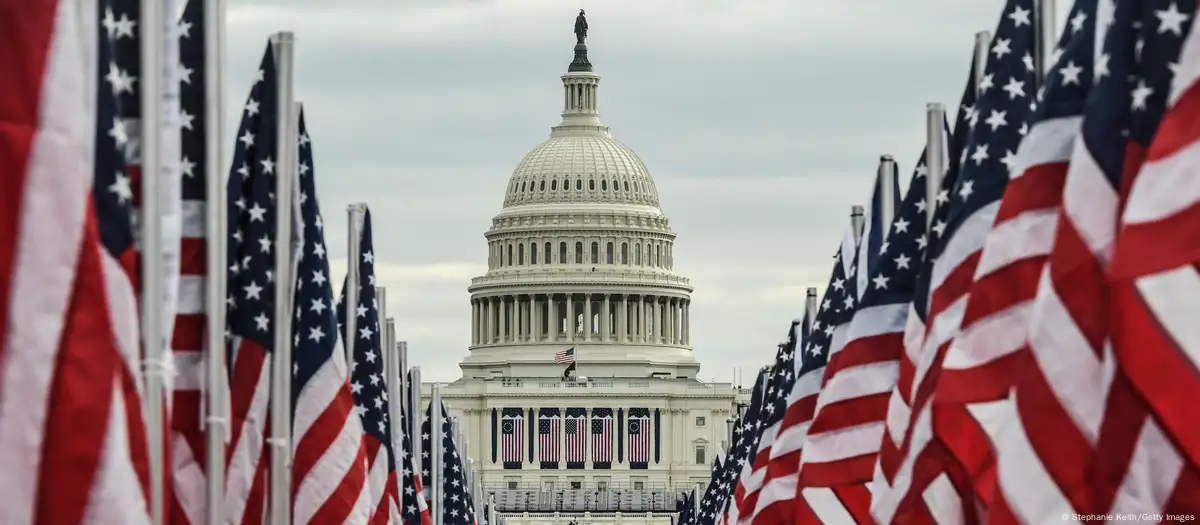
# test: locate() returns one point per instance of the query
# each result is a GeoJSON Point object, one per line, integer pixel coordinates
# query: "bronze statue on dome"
{"type": "Point", "coordinates": [581, 28]}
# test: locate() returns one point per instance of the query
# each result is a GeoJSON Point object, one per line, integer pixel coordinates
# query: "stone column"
{"type": "Point", "coordinates": [535, 314]}
{"type": "Point", "coordinates": [687, 325]}
{"type": "Point", "coordinates": [669, 320]}
{"type": "Point", "coordinates": [474, 323]}
{"type": "Point", "coordinates": [587, 317]}
{"type": "Point", "coordinates": [487, 320]}
{"type": "Point", "coordinates": [605, 320]}
{"type": "Point", "coordinates": [656, 329]}
{"type": "Point", "coordinates": [522, 320]}
{"type": "Point", "coordinates": [623, 319]}
{"type": "Point", "coordinates": [552, 322]}
{"type": "Point", "coordinates": [641, 324]}
{"type": "Point", "coordinates": [519, 318]}
{"type": "Point", "coordinates": [570, 318]}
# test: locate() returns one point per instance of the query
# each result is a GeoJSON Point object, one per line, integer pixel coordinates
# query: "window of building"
{"type": "Point", "coordinates": [533, 253]}
{"type": "Point", "coordinates": [578, 184]}
{"type": "Point", "coordinates": [591, 185]}
{"type": "Point", "coordinates": [657, 253]}
{"type": "Point", "coordinates": [542, 186]}
{"type": "Point", "coordinates": [546, 253]}
{"type": "Point", "coordinates": [626, 185]}
{"type": "Point", "coordinates": [566, 184]}
{"type": "Point", "coordinates": [595, 253]}
{"type": "Point", "coordinates": [603, 185]}
{"type": "Point", "coordinates": [624, 253]}
{"type": "Point", "coordinates": [700, 456]}
{"type": "Point", "coordinates": [562, 252]}
{"type": "Point", "coordinates": [578, 252]}
{"type": "Point", "coordinates": [512, 485]}
{"type": "Point", "coordinates": [576, 485]}
{"type": "Point", "coordinates": [637, 254]}
{"type": "Point", "coordinates": [553, 185]}
{"type": "Point", "coordinates": [521, 254]}
{"type": "Point", "coordinates": [602, 485]}
{"type": "Point", "coordinates": [522, 186]}
{"type": "Point", "coordinates": [639, 485]}
{"type": "Point", "coordinates": [508, 262]}
{"type": "Point", "coordinates": [616, 187]}
{"type": "Point", "coordinates": [701, 421]}
{"type": "Point", "coordinates": [548, 484]}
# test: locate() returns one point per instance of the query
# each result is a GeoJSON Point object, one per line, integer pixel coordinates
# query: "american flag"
{"type": "Point", "coordinates": [250, 306]}
{"type": "Point", "coordinates": [565, 356]}
{"type": "Point", "coordinates": [512, 437]}
{"type": "Point", "coordinates": [602, 436]}
{"type": "Point", "coordinates": [743, 450]}
{"type": "Point", "coordinates": [979, 368]}
{"type": "Point", "coordinates": [1097, 415]}
{"type": "Point", "coordinates": [1154, 296]}
{"type": "Point", "coordinates": [774, 407]}
{"type": "Point", "coordinates": [70, 317]}
{"type": "Point", "coordinates": [708, 498]}
{"type": "Point", "coordinates": [413, 508]}
{"type": "Point", "coordinates": [575, 429]}
{"type": "Point", "coordinates": [892, 448]}
{"type": "Point", "coordinates": [549, 433]}
{"type": "Point", "coordinates": [188, 477]}
{"type": "Point", "coordinates": [368, 383]}
{"type": "Point", "coordinates": [1005, 103]}
{"type": "Point", "coordinates": [639, 435]}
{"type": "Point", "coordinates": [456, 504]}
{"type": "Point", "coordinates": [843, 443]}
{"type": "Point", "coordinates": [328, 465]}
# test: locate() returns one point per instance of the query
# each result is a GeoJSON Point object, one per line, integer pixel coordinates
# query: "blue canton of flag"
{"type": "Point", "coordinates": [412, 504]}
{"type": "Point", "coordinates": [113, 187]}
{"type": "Point", "coordinates": [873, 239]}
{"type": "Point", "coordinates": [456, 505]}
{"type": "Point", "coordinates": [250, 304]}
{"type": "Point", "coordinates": [708, 498]}
{"type": "Point", "coordinates": [837, 307]}
{"type": "Point", "coordinates": [120, 19]}
{"type": "Point", "coordinates": [315, 328]}
{"type": "Point", "coordinates": [895, 275]}
{"type": "Point", "coordinates": [751, 425]}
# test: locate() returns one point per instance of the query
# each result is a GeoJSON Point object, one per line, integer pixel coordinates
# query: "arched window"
{"type": "Point", "coordinates": [562, 253]}
{"type": "Point", "coordinates": [542, 186]}
{"type": "Point", "coordinates": [509, 263]}
{"type": "Point", "coordinates": [578, 253]}
{"type": "Point", "coordinates": [624, 253]}
{"type": "Point", "coordinates": [522, 186]}
{"type": "Point", "coordinates": [626, 185]}
{"type": "Point", "coordinates": [566, 184]}
{"type": "Point", "coordinates": [533, 253]}
{"type": "Point", "coordinates": [578, 184]}
{"type": "Point", "coordinates": [608, 254]}
{"type": "Point", "coordinates": [530, 186]}
{"type": "Point", "coordinates": [591, 185]}
{"type": "Point", "coordinates": [637, 254]}
{"type": "Point", "coordinates": [521, 254]}
{"type": "Point", "coordinates": [657, 252]}
{"type": "Point", "coordinates": [595, 253]}
{"type": "Point", "coordinates": [553, 185]}
{"type": "Point", "coordinates": [546, 254]}
{"type": "Point", "coordinates": [603, 185]}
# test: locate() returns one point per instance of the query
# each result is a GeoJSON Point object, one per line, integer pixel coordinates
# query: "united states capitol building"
{"type": "Point", "coordinates": [581, 266]}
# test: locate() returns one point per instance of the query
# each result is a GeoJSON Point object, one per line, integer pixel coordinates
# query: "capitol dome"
{"type": "Point", "coordinates": [580, 256]}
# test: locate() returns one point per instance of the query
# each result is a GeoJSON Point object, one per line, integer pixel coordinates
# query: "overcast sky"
{"type": "Point", "coordinates": [761, 121]}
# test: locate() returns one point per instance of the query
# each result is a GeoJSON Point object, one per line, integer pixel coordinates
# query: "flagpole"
{"type": "Point", "coordinates": [887, 193]}
{"type": "Point", "coordinates": [983, 39]}
{"type": "Point", "coordinates": [935, 156]}
{"type": "Point", "coordinates": [216, 424]}
{"type": "Point", "coordinates": [810, 307]}
{"type": "Point", "coordinates": [1046, 36]}
{"type": "Point", "coordinates": [153, 339]}
{"type": "Point", "coordinates": [393, 380]}
{"type": "Point", "coordinates": [353, 232]}
{"type": "Point", "coordinates": [857, 222]}
{"type": "Point", "coordinates": [281, 360]}
{"type": "Point", "coordinates": [413, 404]}
{"type": "Point", "coordinates": [435, 454]}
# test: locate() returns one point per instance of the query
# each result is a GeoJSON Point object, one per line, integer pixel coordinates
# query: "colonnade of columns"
{"type": "Point", "coordinates": [580, 317]}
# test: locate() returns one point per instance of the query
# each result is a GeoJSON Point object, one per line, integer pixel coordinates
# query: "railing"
{"type": "Point", "coordinates": [586, 273]}
{"type": "Point", "coordinates": [583, 500]}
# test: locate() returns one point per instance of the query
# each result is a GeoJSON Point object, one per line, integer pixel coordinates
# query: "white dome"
{"type": "Point", "coordinates": [583, 168]}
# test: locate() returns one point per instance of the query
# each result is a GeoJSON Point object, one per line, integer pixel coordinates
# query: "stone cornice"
{"type": "Point", "coordinates": [583, 219]}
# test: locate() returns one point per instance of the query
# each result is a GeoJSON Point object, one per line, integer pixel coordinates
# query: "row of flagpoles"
{"type": "Point", "coordinates": [127, 246]}
{"type": "Point", "coordinates": [1014, 339]}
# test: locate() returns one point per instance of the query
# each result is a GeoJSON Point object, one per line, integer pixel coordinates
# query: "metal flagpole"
{"type": "Point", "coordinates": [935, 156]}
{"type": "Point", "coordinates": [381, 308]}
{"type": "Point", "coordinates": [353, 232]}
{"type": "Point", "coordinates": [216, 424]}
{"type": "Point", "coordinates": [810, 306]}
{"type": "Point", "coordinates": [435, 454]}
{"type": "Point", "coordinates": [887, 191]}
{"type": "Point", "coordinates": [152, 275]}
{"type": "Point", "coordinates": [393, 381]}
{"type": "Point", "coordinates": [983, 39]}
{"type": "Point", "coordinates": [857, 222]}
{"type": "Point", "coordinates": [1046, 37]}
{"type": "Point", "coordinates": [492, 514]}
{"type": "Point", "coordinates": [412, 397]}
{"type": "Point", "coordinates": [287, 126]}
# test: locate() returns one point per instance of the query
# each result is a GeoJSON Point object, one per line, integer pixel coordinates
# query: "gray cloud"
{"type": "Point", "coordinates": [761, 122]}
